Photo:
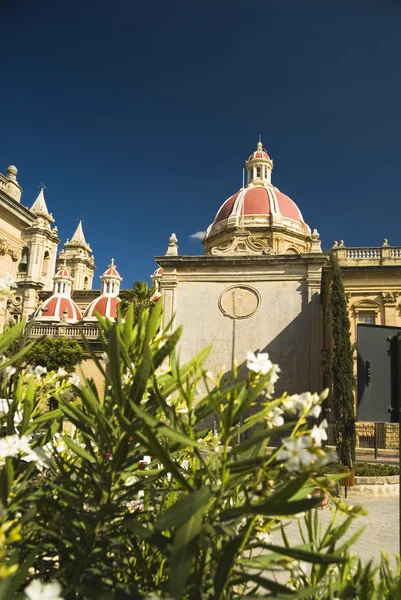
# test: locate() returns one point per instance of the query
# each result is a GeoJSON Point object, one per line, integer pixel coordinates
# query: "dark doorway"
{"type": "Point", "coordinates": [377, 373]}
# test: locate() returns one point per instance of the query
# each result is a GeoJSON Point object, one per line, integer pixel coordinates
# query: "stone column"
{"type": "Point", "coordinates": [389, 302]}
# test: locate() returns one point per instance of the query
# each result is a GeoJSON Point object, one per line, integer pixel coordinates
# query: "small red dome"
{"type": "Point", "coordinates": [54, 307]}
{"type": "Point", "coordinates": [158, 272]}
{"type": "Point", "coordinates": [111, 272]}
{"type": "Point", "coordinates": [259, 154]}
{"type": "Point", "coordinates": [260, 200]}
{"type": "Point", "coordinates": [63, 272]}
{"type": "Point", "coordinates": [105, 306]}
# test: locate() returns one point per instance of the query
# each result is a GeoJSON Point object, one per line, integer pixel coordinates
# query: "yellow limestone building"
{"type": "Point", "coordinates": [263, 285]}
{"type": "Point", "coordinates": [28, 251]}
{"type": "Point", "coordinates": [257, 287]}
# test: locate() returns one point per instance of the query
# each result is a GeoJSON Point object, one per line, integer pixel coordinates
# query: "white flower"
{"type": "Point", "coordinates": [9, 446]}
{"type": "Point", "coordinates": [105, 357]}
{"type": "Point", "coordinates": [263, 537]}
{"type": "Point", "coordinates": [74, 380]}
{"type": "Point", "coordinates": [13, 445]}
{"type": "Point", "coordinates": [61, 372]}
{"type": "Point", "coordinates": [274, 418]}
{"type": "Point", "coordinates": [126, 378]}
{"type": "Point", "coordinates": [6, 283]}
{"type": "Point", "coordinates": [296, 454]}
{"type": "Point", "coordinates": [259, 363]}
{"type": "Point", "coordinates": [39, 371]}
{"type": "Point", "coordinates": [8, 372]}
{"type": "Point", "coordinates": [37, 590]}
{"type": "Point", "coordinates": [162, 370]}
{"type": "Point", "coordinates": [319, 434]}
{"type": "Point", "coordinates": [306, 404]}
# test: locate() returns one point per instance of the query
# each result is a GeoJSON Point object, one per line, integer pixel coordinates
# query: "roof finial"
{"type": "Point", "coordinates": [260, 146]}
{"type": "Point", "coordinates": [172, 248]}
{"type": "Point", "coordinates": [112, 261]}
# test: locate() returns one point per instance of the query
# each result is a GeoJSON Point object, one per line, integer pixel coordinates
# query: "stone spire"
{"type": "Point", "coordinates": [77, 254]}
{"type": "Point", "coordinates": [39, 207]}
{"type": "Point", "coordinates": [79, 237]}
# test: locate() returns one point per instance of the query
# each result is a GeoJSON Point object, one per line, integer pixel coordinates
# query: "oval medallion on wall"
{"type": "Point", "coordinates": [239, 302]}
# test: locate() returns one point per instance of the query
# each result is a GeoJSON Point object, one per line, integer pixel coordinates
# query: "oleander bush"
{"type": "Point", "coordinates": [82, 517]}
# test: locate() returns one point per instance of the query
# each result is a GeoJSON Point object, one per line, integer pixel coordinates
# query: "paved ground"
{"type": "Point", "coordinates": [381, 532]}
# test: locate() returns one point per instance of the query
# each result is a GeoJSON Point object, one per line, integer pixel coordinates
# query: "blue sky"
{"type": "Point", "coordinates": [138, 116]}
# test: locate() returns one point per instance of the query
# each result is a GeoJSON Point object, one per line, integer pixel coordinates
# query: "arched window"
{"type": "Point", "coordinates": [23, 266]}
{"type": "Point", "coordinates": [46, 264]}
{"type": "Point", "coordinates": [250, 174]}
{"type": "Point", "coordinates": [257, 171]}
{"type": "Point", "coordinates": [265, 172]}
{"type": "Point", "coordinates": [86, 283]}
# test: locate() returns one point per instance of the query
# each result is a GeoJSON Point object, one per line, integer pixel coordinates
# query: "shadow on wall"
{"type": "Point", "coordinates": [290, 349]}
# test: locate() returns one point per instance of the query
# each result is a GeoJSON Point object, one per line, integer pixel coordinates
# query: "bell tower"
{"type": "Point", "coordinates": [38, 255]}
{"type": "Point", "coordinates": [77, 256]}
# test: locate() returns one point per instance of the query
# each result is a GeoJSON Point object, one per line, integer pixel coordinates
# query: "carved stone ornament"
{"type": "Point", "coordinates": [239, 302]}
{"type": "Point", "coordinates": [390, 296]}
{"type": "Point", "coordinates": [3, 246]}
{"type": "Point", "coordinates": [243, 244]}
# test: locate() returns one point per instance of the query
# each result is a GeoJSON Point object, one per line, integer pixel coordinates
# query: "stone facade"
{"type": "Point", "coordinates": [28, 251]}
{"type": "Point", "coordinates": [261, 285]}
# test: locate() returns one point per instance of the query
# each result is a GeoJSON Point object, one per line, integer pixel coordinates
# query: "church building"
{"type": "Point", "coordinates": [262, 283]}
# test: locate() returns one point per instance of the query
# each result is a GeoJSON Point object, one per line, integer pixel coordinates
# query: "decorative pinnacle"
{"type": "Point", "coordinates": [112, 262]}
{"type": "Point", "coordinates": [172, 246]}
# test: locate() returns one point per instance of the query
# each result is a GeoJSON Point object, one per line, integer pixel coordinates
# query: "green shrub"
{"type": "Point", "coordinates": [80, 513]}
{"type": "Point", "coordinates": [56, 353]}
{"type": "Point", "coordinates": [363, 469]}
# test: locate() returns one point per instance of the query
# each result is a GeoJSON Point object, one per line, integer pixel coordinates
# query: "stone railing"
{"type": "Point", "coordinates": [20, 276]}
{"type": "Point", "coordinates": [65, 330]}
{"type": "Point", "coordinates": [384, 254]}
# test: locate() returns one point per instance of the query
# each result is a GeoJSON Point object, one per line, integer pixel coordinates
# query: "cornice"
{"type": "Point", "coordinates": [19, 211]}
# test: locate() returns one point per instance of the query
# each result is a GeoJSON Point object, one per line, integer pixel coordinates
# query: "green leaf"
{"type": "Point", "coordinates": [260, 436]}
{"type": "Point", "coordinates": [306, 555]}
{"type": "Point", "coordinates": [270, 508]}
{"type": "Point", "coordinates": [8, 336]}
{"type": "Point", "coordinates": [225, 565]}
{"type": "Point", "coordinates": [183, 553]}
{"type": "Point", "coordinates": [184, 509]}
{"type": "Point", "coordinates": [10, 586]}
{"type": "Point", "coordinates": [268, 584]}
{"type": "Point", "coordinates": [78, 450]}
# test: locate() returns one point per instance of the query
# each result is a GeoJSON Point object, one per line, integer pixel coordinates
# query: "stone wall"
{"type": "Point", "coordinates": [387, 435]}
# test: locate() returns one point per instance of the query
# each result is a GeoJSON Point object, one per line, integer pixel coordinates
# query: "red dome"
{"type": "Point", "coordinates": [53, 308]}
{"type": "Point", "coordinates": [111, 272]}
{"type": "Point", "coordinates": [259, 154]}
{"type": "Point", "coordinates": [63, 272]}
{"type": "Point", "coordinates": [158, 272]}
{"type": "Point", "coordinates": [105, 306]}
{"type": "Point", "coordinates": [260, 200]}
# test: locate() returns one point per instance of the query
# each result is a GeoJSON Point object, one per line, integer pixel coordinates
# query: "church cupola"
{"type": "Point", "coordinates": [106, 304]}
{"type": "Point", "coordinates": [259, 166]}
{"type": "Point", "coordinates": [60, 306]}
{"type": "Point", "coordinates": [111, 281]}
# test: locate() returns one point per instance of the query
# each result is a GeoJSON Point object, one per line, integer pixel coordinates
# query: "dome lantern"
{"type": "Point", "coordinates": [111, 281]}
{"type": "Point", "coordinates": [259, 166]}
